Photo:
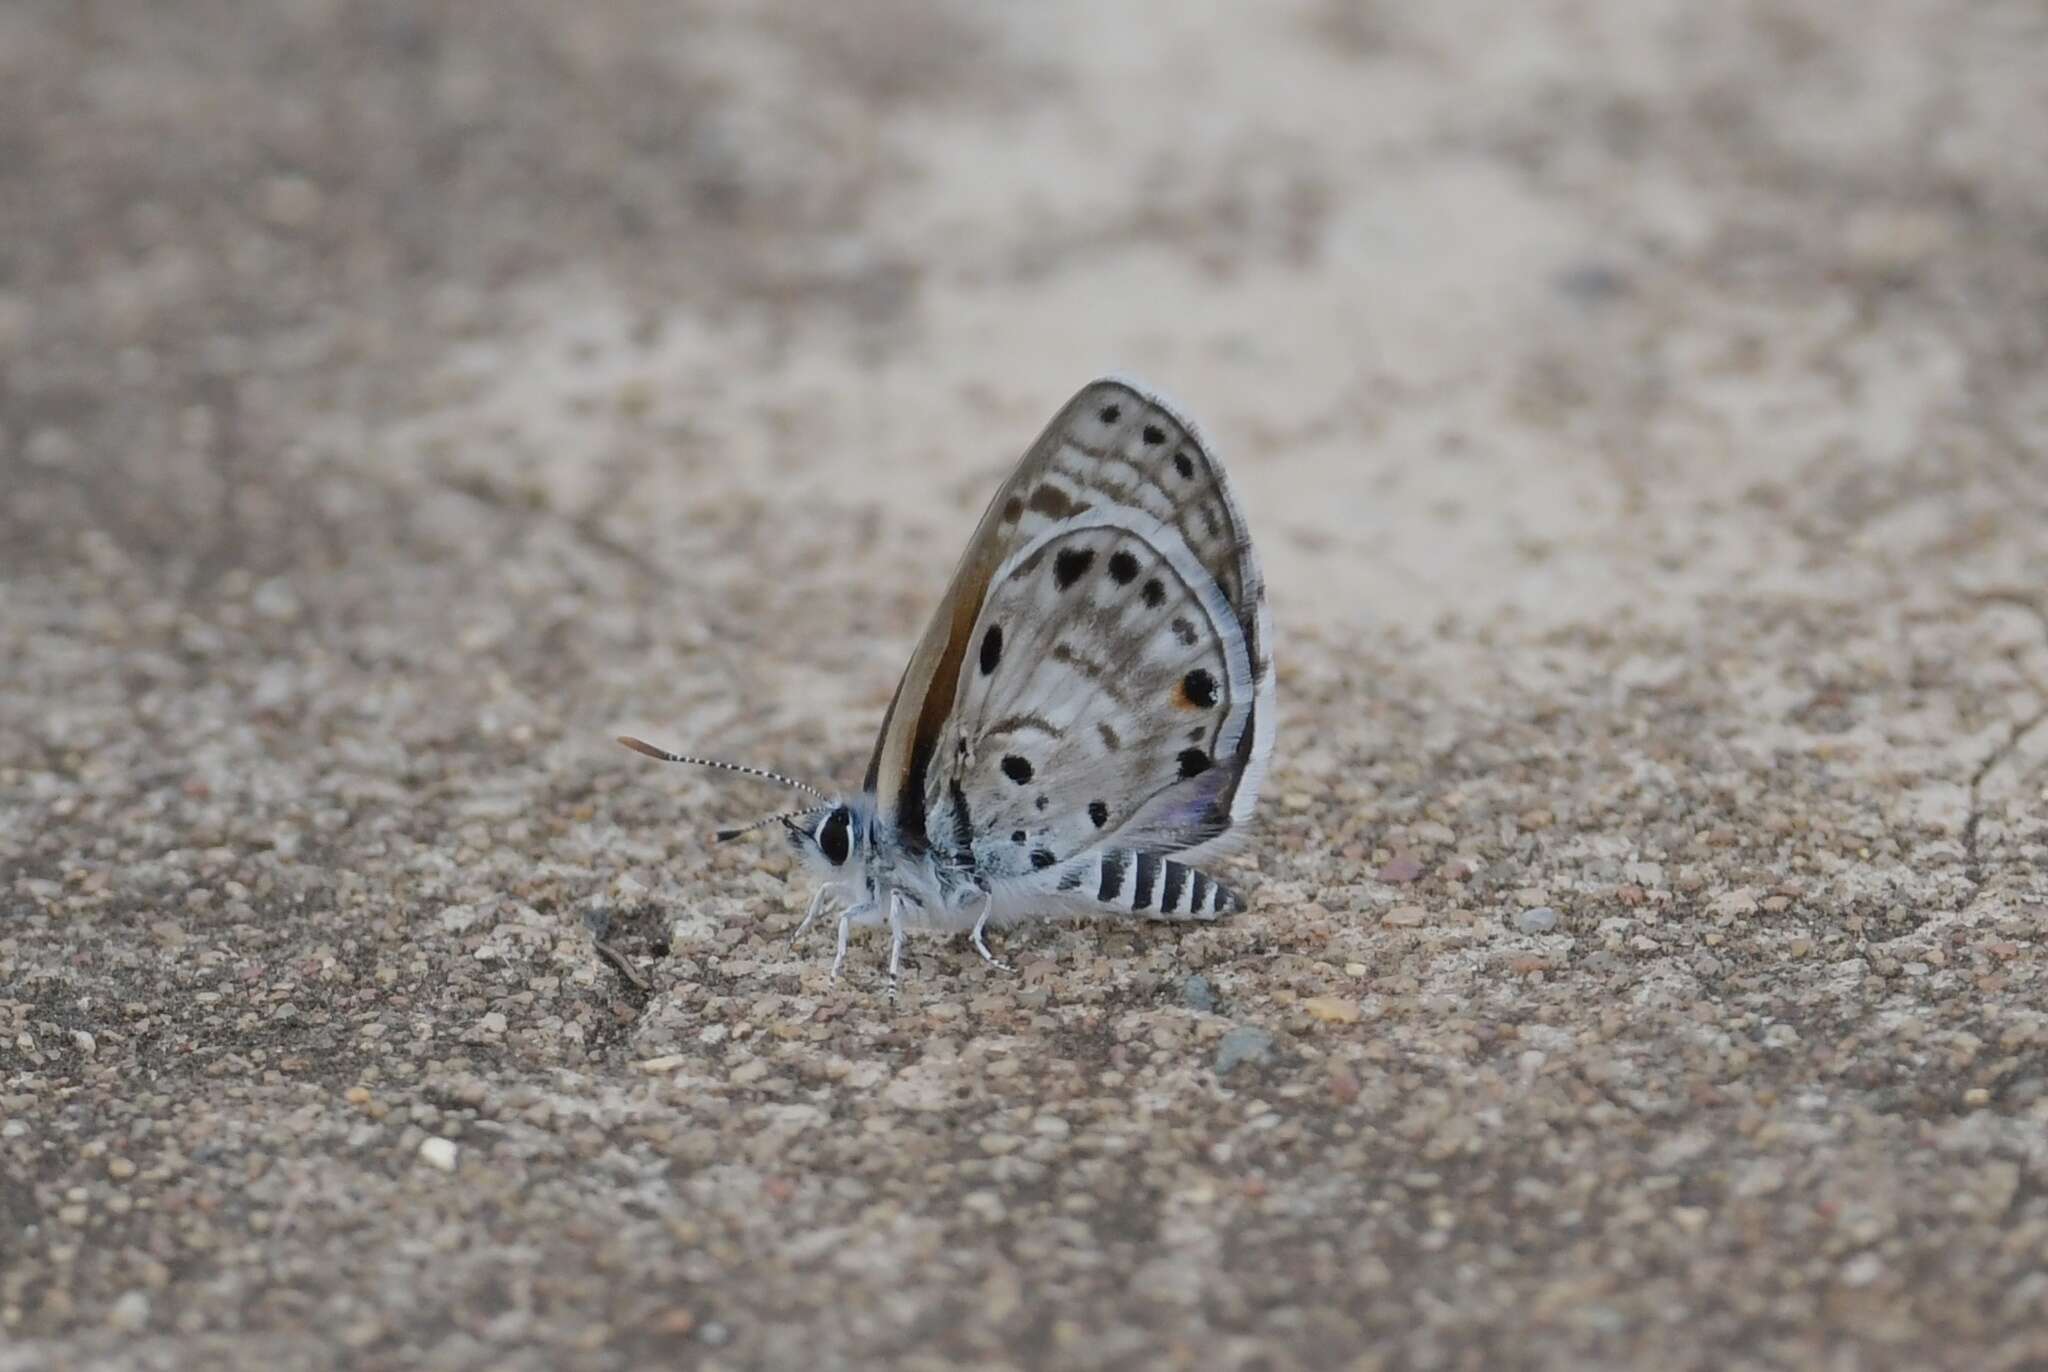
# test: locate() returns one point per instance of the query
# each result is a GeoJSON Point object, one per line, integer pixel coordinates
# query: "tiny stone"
{"type": "Point", "coordinates": [130, 1314]}
{"type": "Point", "coordinates": [1242, 1044]}
{"type": "Point", "coordinates": [1400, 869]}
{"type": "Point", "coordinates": [438, 1153]}
{"type": "Point", "coordinates": [120, 1169]}
{"type": "Point", "coordinates": [1198, 994]}
{"type": "Point", "coordinates": [1332, 1009]}
{"type": "Point", "coordinates": [1539, 920]}
{"type": "Point", "coordinates": [1404, 916]}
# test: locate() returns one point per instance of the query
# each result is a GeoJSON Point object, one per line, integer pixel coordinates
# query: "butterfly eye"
{"type": "Point", "coordinates": [833, 836]}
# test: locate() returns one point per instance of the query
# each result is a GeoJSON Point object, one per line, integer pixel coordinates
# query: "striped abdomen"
{"type": "Point", "coordinates": [1146, 884]}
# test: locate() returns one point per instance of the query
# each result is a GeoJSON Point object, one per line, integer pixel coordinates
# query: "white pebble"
{"type": "Point", "coordinates": [130, 1314]}
{"type": "Point", "coordinates": [439, 1152]}
{"type": "Point", "coordinates": [1539, 920]}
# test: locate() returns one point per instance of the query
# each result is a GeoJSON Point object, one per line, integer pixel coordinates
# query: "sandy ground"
{"type": "Point", "coordinates": [1641, 411]}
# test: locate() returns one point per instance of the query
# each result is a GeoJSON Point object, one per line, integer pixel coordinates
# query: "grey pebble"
{"type": "Point", "coordinates": [1199, 994]}
{"type": "Point", "coordinates": [1242, 1044]}
{"type": "Point", "coordinates": [1539, 920]}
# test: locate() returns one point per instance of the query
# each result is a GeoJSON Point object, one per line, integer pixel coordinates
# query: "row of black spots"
{"type": "Point", "coordinates": [1071, 564]}
{"type": "Point", "coordinates": [1152, 435]}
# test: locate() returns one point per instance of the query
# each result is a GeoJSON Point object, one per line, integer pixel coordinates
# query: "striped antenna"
{"type": "Point", "coordinates": [663, 755]}
{"type": "Point", "coordinates": [727, 835]}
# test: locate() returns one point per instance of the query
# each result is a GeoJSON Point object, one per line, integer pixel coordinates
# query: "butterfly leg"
{"type": "Point", "coordinates": [846, 918]}
{"type": "Point", "coordinates": [895, 942]}
{"type": "Point", "coordinates": [988, 907]}
{"type": "Point", "coordinates": [817, 904]}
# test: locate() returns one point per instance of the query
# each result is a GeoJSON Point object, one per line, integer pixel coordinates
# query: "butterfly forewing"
{"type": "Point", "coordinates": [1099, 669]}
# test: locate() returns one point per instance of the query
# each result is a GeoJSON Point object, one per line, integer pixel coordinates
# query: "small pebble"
{"type": "Point", "coordinates": [1332, 1009]}
{"type": "Point", "coordinates": [130, 1314]}
{"type": "Point", "coordinates": [1400, 869]}
{"type": "Point", "coordinates": [1242, 1044]}
{"type": "Point", "coordinates": [1199, 994]}
{"type": "Point", "coordinates": [1539, 920]}
{"type": "Point", "coordinates": [439, 1153]}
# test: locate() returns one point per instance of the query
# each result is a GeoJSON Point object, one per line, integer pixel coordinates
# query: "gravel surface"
{"type": "Point", "coordinates": [1640, 409]}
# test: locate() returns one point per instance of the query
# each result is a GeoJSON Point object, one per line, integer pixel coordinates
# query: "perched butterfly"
{"type": "Point", "coordinates": [1089, 713]}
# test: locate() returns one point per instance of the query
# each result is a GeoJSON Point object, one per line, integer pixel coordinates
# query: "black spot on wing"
{"type": "Point", "coordinates": [991, 648]}
{"type": "Point", "coordinates": [1198, 888]}
{"type": "Point", "coordinates": [1194, 762]}
{"type": "Point", "coordinates": [1184, 631]}
{"type": "Point", "coordinates": [1070, 564]}
{"type": "Point", "coordinates": [1098, 813]}
{"type": "Point", "coordinates": [1199, 687]}
{"type": "Point", "coordinates": [1109, 737]}
{"type": "Point", "coordinates": [1185, 465]}
{"type": "Point", "coordinates": [1017, 769]}
{"type": "Point", "coordinates": [1016, 836]}
{"type": "Point", "coordinates": [1153, 435]}
{"type": "Point", "coordinates": [1042, 858]}
{"type": "Point", "coordinates": [1122, 567]}
{"type": "Point", "coordinates": [1109, 414]}
{"type": "Point", "coordinates": [1154, 593]}
{"type": "Point", "coordinates": [1071, 879]}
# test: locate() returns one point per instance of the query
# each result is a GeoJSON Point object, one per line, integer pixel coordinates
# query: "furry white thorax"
{"type": "Point", "coordinates": [932, 894]}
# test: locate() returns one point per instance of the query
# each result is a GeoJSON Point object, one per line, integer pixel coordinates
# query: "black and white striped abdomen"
{"type": "Point", "coordinates": [1149, 885]}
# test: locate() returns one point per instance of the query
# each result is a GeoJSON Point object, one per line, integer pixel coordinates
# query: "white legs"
{"type": "Point", "coordinates": [895, 942]}
{"type": "Point", "coordinates": [988, 907]}
{"type": "Point", "coordinates": [817, 904]}
{"type": "Point", "coordinates": [845, 923]}
{"type": "Point", "coordinates": [863, 911]}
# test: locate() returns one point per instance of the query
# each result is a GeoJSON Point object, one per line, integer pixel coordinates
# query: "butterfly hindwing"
{"type": "Point", "coordinates": [1115, 683]}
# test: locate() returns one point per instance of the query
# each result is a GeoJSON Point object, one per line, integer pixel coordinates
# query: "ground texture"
{"type": "Point", "coordinates": [1640, 407]}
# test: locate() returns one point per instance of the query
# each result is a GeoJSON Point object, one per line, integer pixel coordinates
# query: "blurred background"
{"type": "Point", "coordinates": [1640, 409]}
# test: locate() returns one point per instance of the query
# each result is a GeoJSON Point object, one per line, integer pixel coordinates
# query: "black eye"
{"type": "Point", "coordinates": [833, 838]}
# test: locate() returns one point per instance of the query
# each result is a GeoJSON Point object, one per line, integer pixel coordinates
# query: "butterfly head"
{"type": "Point", "coordinates": [832, 840]}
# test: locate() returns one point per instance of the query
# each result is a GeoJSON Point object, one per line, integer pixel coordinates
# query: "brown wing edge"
{"type": "Point", "coordinates": [903, 752]}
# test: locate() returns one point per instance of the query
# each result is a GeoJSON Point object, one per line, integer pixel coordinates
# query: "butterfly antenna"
{"type": "Point", "coordinates": [727, 835]}
{"type": "Point", "coordinates": [663, 755]}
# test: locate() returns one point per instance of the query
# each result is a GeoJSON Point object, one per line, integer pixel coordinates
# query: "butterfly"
{"type": "Point", "coordinates": [1088, 714]}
